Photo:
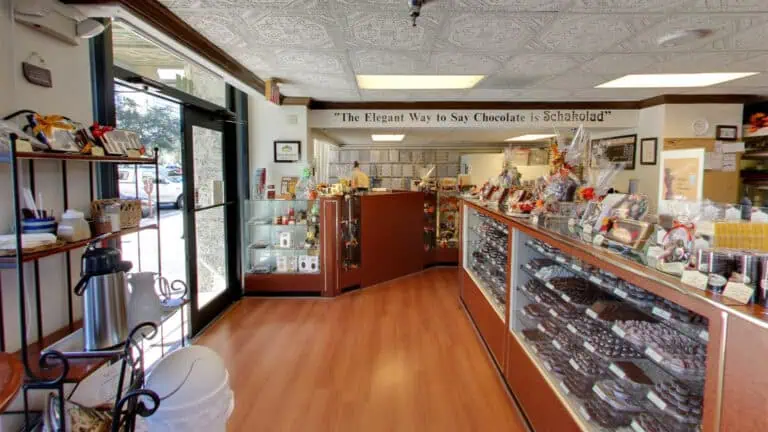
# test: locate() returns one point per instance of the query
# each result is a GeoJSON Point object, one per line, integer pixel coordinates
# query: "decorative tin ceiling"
{"type": "Point", "coordinates": [553, 50]}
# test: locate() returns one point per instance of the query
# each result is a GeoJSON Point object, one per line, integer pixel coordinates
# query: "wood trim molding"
{"type": "Point", "coordinates": [489, 105]}
{"type": "Point", "coordinates": [297, 101]}
{"type": "Point", "coordinates": [159, 16]}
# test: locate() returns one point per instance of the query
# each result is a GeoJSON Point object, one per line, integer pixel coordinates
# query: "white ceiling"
{"type": "Point", "coordinates": [531, 50]}
{"type": "Point", "coordinates": [435, 137]}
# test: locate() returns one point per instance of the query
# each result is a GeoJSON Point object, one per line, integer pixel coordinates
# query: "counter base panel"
{"type": "Point", "coordinates": [490, 326]}
{"type": "Point", "coordinates": [349, 279]}
{"type": "Point", "coordinates": [541, 405]}
{"type": "Point", "coordinates": [284, 283]}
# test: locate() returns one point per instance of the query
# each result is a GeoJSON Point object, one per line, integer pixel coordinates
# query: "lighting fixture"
{"type": "Point", "coordinates": [417, 82]}
{"type": "Point", "coordinates": [531, 137]}
{"type": "Point", "coordinates": [169, 74]}
{"type": "Point", "coordinates": [681, 37]}
{"type": "Point", "coordinates": [388, 137]}
{"type": "Point", "coordinates": [674, 80]}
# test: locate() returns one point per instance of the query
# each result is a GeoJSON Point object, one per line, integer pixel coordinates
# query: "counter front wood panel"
{"type": "Point", "coordinates": [488, 323]}
{"type": "Point", "coordinates": [544, 410]}
{"type": "Point", "coordinates": [391, 236]}
{"type": "Point", "coordinates": [284, 283]}
{"type": "Point", "coordinates": [745, 379]}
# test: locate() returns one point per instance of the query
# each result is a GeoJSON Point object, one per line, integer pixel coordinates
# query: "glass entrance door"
{"type": "Point", "coordinates": [211, 222]}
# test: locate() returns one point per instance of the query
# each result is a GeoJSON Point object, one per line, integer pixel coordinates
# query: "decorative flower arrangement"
{"type": "Point", "coordinates": [758, 121]}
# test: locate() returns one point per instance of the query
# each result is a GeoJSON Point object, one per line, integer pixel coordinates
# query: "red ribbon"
{"type": "Point", "coordinates": [98, 131]}
{"type": "Point", "coordinates": [688, 227]}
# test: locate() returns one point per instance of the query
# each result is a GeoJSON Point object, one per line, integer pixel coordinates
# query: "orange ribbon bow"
{"type": "Point", "coordinates": [46, 124]}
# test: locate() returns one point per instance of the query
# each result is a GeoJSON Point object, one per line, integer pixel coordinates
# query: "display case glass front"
{"type": "Point", "coordinates": [447, 219]}
{"type": "Point", "coordinates": [621, 357]}
{"type": "Point", "coordinates": [485, 257]}
{"type": "Point", "coordinates": [282, 236]}
{"type": "Point", "coordinates": [350, 232]}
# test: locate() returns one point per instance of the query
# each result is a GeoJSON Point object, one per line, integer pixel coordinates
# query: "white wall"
{"type": "Point", "coordinates": [269, 122]}
{"type": "Point", "coordinates": [70, 96]}
{"type": "Point", "coordinates": [322, 145]}
{"type": "Point", "coordinates": [481, 166]}
{"type": "Point", "coordinates": [679, 119]}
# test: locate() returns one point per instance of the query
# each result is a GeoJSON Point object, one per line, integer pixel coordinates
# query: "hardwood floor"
{"type": "Point", "coordinates": [400, 356]}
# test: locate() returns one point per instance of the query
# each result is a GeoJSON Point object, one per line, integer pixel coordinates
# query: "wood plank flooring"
{"type": "Point", "coordinates": [401, 356]}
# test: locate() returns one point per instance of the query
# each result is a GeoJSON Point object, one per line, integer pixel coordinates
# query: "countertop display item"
{"type": "Point", "coordinates": [102, 286]}
{"type": "Point", "coordinates": [73, 226]}
{"type": "Point", "coordinates": [129, 214]}
{"type": "Point", "coordinates": [40, 225]}
{"type": "Point", "coordinates": [144, 304]}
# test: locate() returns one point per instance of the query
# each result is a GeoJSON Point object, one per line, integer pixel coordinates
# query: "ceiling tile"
{"type": "Point", "coordinates": [333, 95]}
{"type": "Point", "coordinates": [731, 5]}
{"type": "Point", "coordinates": [512, 5]}
{"type": "Point", "coordinates": [752, 39]}
{"type": "Point", "coordinates": [647, 41]}
{"type": "Point", "coordinates": [357, 5]}
{"type": "Point", "coordinates": [498, 33]}
{"type": "Point", "coordinates": [287, 31]}
{"type": "Point", "coordinates": [398, 95]}
{"type": "Point", "coordinates": [584, 33]}
{"type": "Point", "coordinates": [389, 30]}
{"type": "Point", "coordinates": [721, 89]}
{"type": "Point", "coordinates": [310, 80]}
{"type": "Point", "coordinates": [216, 25]}
{"type": "Point", "coordinates": [573, 81]}
{"type": "Point", "coordinates": [539, 64]}
{"type": "Point", "coordinates": [388, 62]}
{"type": "Point", "coordinates": [603, 6]}
{"type": "Point", "coordinates": [755, 61]}
{"type": "Point", "coordinates": [614, 94]}
{"type": "Point", "coordinates": [515, 94]}
{"type": "Point", "coordinates": [621, 63]}
{"type": "Point", "coordinates": [454, 63]}
{"type": "Point", "coordinates": [700, 62]}
{"type": "Point", "coordinates": [760, 80]}
{"type": "Point", "coordinates": [310, 61]}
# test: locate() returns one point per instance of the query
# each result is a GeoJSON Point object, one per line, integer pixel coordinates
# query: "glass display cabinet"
{"type": "Point", "coordinates": [447, 219]}
{"type": "Point", "coordinates": [486, 258]}
{"type": "Point", "coordinates": [282, 237]}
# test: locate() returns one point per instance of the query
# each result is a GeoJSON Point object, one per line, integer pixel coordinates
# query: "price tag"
{"type": "Point", "coordinates": [553, 313]}
{"type": "Point", "coordinates": [549, 285]}
{"type": "Point", "coordinates": [587, 229]}
{"type": "Point", "coordinates": [535, 220]}
{"type": "Point", "coordinates": [656, 400]}
{"type": "Point", "coordinates": [560, 259]}
{"type": "Point", "coordinates": [556, 344]}
{"type": "Point", "coordinates": [595, 280]}
{"type": "Point", "coordinates": [573, 364]}
{"type": "Point", "coordinates": [540, 249]}
{"type": "Point", "coordinates": [528, 266]}
{"type": "Point", "coordinates": [571, 328]}
{"type": "Point", "coordinates": [564, 388]}
{"type": "Point", "coordinates": [566, 298]}
{"type": "Point", "coordinates": [598, 240]}
{"type": "Point", "coordinates": [661, 313]}
{"type": "Point", "coordinates": [538, 299]}
{"type": "Point", "coordinates": [620, 293]}
{"type": "Point", "coordinates": [584, 413]}
{"type": "Point", "coordinates": [636, 427]}
{"type": "Point", "coordinates": [592, 314]}
{"type": "Point", "coordinates": [695, 279]}
{"type": "Point", "coordinates": [547, 366]}
{"type": "Point", "coordinates": [653, 355]}
{"type": "Point", "coordinates": [599, 392]}
{"type": "Point", "coordinates": [576, 267]}
{"type": "Point", "coordinates": [540, 328]}
{"type": "Point", "coordinates": [738, 291]}
{"type": "Point", "coordinates": [619, 372]}
{"type": "Point", "coordinates": [588, 346]}
{"type": "Point", "coordinates": [24, 146]}
{"type": "Point", "coordinates": [619, 331]}
{"type": "Point", "coordinates": [704, 335]}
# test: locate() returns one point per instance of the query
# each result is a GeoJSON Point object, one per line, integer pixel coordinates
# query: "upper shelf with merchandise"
{"type": "Point", "coordinates": [6, 158]}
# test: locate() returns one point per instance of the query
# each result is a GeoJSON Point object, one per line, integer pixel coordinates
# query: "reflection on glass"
{"type": "Point", "coordinates": [209, 166]}
{"type": "Point", "coordinates": [211, 255]}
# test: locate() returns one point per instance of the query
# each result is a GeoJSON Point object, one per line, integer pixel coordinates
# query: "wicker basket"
{"type": "Point", "coordinates": [130, 211]}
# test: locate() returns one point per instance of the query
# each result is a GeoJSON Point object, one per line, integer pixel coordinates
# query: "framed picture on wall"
{"type": "Point", "coordinates": [619, 149]}
{"type": "Point", "coordinates": [648, 151]}
{"type": "Point", "coordinates": [727, 133]}
{"type": "Point", "coordinates": [287, 151]}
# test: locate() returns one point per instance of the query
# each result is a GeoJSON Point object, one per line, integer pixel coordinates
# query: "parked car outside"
{"type": "Point", "coordinates": [171, 188]}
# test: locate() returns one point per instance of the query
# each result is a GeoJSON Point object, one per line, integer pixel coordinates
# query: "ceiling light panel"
{"type": "Point", "coordinates": [531, 137]}
{"type": "Point", "coordinates": [387, 137]}
{"type": "Point", "coordinates": [417, 82]}
{"type": "Point", "coordinates": [674, 80]}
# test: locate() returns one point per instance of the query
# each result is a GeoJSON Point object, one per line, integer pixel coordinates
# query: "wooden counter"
{"type": "Point", "coordinates": [736, 373]}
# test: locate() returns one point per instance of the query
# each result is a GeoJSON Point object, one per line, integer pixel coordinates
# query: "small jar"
{"type": "Point", "coordinates": [102, 224]}
{"type": "Point", "coordinates": [113, 212]}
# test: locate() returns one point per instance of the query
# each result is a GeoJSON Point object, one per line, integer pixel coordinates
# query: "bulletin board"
{"type": "Point", "coordinates": [719, 186]}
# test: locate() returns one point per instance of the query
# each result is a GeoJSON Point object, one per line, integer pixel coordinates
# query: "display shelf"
{"type": "Point", "coordinates": [80, 157]}
{"type": "Point", "coordinates": [11, 378]}
{"type": "Point", "coordinates": [10, 261]}
{"type": "Point", "coordinates": [497, 306]}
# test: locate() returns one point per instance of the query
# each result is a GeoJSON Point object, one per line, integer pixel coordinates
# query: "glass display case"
{"type": "Point", "coordinates": [486, 257]}
{"type": "Point", "coordinates": [350, 232]}
{"type": "Point", "coordinates": [430, 220]}
{"type": "Point", "coordinates": [282, 236]}
{"type": "Point", "coordinates": [447, 219]}
{"type": "Point", "coordinates": [621, 357]}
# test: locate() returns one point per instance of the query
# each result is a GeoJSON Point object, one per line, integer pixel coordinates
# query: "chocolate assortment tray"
{"type": "Point", "coordinates": [619, 398]}
{"type": "Point", "coordinates": [601, 413]}
{"type": "Point", "coordinates": [638, 375]}
{"type": "Point", "coordinates": [677, 400]}
{"type": "Point", "coordinates": [655, 422]}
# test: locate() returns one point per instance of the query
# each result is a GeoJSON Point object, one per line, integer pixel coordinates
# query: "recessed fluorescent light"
{"type": "Point", "coordinates": [417, 82]}
{"type": "Point", "coordinates": [388, 137]}
{"type": "Point", "coordinates": [531, 137]}
{"type": "Point", "coordinates": [169, 74]}
{"type": "Point", "coordinates": [674, 80]}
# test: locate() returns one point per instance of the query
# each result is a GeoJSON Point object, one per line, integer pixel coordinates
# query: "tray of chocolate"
{"type": "Point", "coordinates": [577, 291]}
{"type": "Point", "coordinates": [677, 354]}
{"type": "Point", "coordinates": [606, 312]}
{"type": "Point", "coordinates": [637, 376]}
{"type": "Point", "coordinates": [535, 336]}
{"type": "Point", "coordinates": [549, 327]}
{"type": "Point", "coordinates": [563, 343]}
{"type": "Point", "coordinates": [612, 393]}
{"type": "Point", "coordinates": [583, 327]}
{"type": "Point", "coordinates": [599, 412]}
{"type": "Point", "coordinates": [689, 323]}
{"type": "Point", "coordinates": [555, 362]}
{"type": "Point", "coordinates": [634, 294]}
{"type": "Point", "coordinates": [535, 312]}
{"type": "Point", "coordinates": [537, 264]}
{"type": "Point", "coordinates": [677, 400]}
{"type": "Point", "coordinates": [577, 385]}
{"type": "Point", "coordinates": [531, 289]}
{"type": "Point", "coordinates": [655, 422]}
{"type": "Point", "coordinates": [563, 312]}
{"type": "Point", "coordinates": [585, 364]}
{"type": "Point", "coordinates": [609, 347]}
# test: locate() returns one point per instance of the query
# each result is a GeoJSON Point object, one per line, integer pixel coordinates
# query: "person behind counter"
{"type": "Point", "coordinates": [360, 180]}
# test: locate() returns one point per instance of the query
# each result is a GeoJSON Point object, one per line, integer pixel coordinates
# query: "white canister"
{"type": "Point", "coordinates": [73, 226]}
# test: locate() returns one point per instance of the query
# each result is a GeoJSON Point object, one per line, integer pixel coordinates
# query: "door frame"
{"type": "Point", "coordinates": [192, 116]}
